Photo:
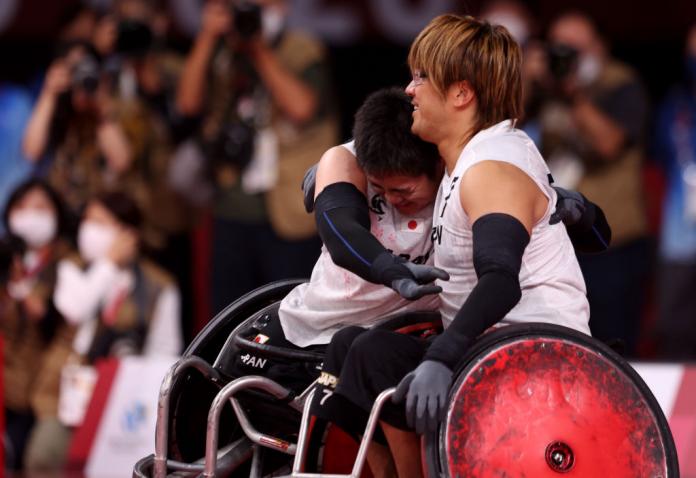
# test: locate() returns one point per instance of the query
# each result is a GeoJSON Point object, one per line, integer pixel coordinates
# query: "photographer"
{"type": "Point", "coordinates": [74, 121]}
{"type": "Point", "coordinates": [593, 127]}
{"type": "Point", "coordinates": [265, 117]}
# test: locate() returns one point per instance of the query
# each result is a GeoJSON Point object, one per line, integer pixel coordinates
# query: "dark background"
{"type": "Point", "coordinates": [647, 35]}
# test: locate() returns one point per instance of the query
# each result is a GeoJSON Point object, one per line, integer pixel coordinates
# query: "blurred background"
{"type": "Point", "coordinates": [152, 151]}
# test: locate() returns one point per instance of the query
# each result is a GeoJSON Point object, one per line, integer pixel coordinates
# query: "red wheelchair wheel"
{"type": "Point", "coordinates": [540, 400]}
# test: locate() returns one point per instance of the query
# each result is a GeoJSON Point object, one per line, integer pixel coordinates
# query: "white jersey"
{"type": "Point", "coordinates": [335, 298]}
{"type": "Point", "coordinates": [553, 289]}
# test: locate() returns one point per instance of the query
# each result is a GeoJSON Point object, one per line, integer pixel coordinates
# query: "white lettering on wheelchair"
{"type": "Point", "coordinates": [327, 380]}
{"type": "Point", "coordinates": [251, 361]}
{"type": "Point", "coordinates": [327, 393]}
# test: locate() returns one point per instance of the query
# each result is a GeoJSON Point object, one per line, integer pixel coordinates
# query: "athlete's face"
{"type": "Point", "coordinates": [428, 107]}
{"type": "Point", "coordinates": [408, 194]}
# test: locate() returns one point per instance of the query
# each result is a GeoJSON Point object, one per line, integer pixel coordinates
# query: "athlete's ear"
{"type": "Point", "coordinates": [462, 93]}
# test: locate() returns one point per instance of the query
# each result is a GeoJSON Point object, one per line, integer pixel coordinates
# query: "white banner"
{"type": "Point", "coordinates": [127, 427]}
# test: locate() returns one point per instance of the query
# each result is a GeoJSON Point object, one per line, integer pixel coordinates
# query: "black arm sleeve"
{"type": "Point", "coordinates": [591, 234]}
{"type": "Point", "coordinates": [499, 243]}
{"type": "Point", "coordinates": [343, 222]}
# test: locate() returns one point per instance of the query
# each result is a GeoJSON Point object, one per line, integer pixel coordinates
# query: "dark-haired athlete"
{"type": "Point", "coordinates": [374, 215]}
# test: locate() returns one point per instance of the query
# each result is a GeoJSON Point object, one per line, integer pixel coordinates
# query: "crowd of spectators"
{"type": "Point", "coordinates": [128, 146]}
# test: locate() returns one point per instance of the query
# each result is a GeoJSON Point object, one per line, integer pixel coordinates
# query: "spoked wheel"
{"type": "Point", "coordinates": [542, 400]}
{"type": "Point", "coordinates": [192, 394]}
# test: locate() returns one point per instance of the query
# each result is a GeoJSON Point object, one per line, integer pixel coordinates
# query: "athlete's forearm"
{"type": "Point", "coordinates": [343, 222]}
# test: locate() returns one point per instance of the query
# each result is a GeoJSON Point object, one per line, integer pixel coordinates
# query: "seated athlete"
{"type": "Point", "coordinates": [374, 215]}
{"type": "Point", "coordinates": [491, 232]}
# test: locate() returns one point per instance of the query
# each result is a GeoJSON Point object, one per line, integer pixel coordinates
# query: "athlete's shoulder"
{"type": "Point", "coordinates": [504, 145]}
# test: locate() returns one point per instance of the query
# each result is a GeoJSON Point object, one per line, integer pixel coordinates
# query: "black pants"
{"type": "Point", "coordinates": [18, 426]}
{"type": "Point", "coordinates": [676, 324]}
{"type": "Point", "coordinates": [359, 365]}
{"type": "Point", "coordinates": [294, 375]}
{"type": "Point", "coordinates": [247, 256]}
{"type": "Point", "coordinates": [616, 286]}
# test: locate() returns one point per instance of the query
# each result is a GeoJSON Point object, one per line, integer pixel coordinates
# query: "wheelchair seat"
{"type": "Point", "coordinates": [193, 392]}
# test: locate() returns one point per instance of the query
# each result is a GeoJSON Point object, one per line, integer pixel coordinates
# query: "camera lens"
{"type": "Point", "coordinates": [85, 75]}
{"type": "Point", "coordinates": [562, 60]}
{"type": "Point", "coordinates": [247, 18]}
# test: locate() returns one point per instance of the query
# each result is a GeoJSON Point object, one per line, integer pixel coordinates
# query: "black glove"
{"type": "Point", "coordinates": [419, 285]}
{"type": "Point", "coordinates": [308, 185]}
{"type": "Point", "coordinates": [570, 207]}
{"type": "Point", "coordinates": [426, 389]}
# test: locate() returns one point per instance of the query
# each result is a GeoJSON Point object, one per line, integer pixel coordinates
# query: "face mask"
{"type": "Point", "coordinates": [589, 67]}
{"type": "Point", "coordinates": [515, 25]}
{"type": "Point", "coordinates": [36, 227]}
{"type": "Point", "coordinates": [272, 22]}
{"type": "Point", "coordinates": [94, 240]}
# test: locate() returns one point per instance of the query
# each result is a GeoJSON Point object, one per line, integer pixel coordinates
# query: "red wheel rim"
{"type": "Point", "coordinates": [547, 407]}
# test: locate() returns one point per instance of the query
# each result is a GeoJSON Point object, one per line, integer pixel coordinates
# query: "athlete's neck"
{"type": "Point", "coordinates": [451, 148]}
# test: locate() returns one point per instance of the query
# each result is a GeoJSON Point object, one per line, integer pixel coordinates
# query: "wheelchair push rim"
{"type": "Point", "coordinates": [546, 401]}
{"type": "Point", "coordinates": [192, 394]}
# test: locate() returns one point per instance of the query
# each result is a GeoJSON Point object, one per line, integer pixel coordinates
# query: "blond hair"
{"type": "Point", "coordinates": [454, 48]}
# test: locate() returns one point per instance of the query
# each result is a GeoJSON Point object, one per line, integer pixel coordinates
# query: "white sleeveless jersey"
{"type": "Point", "coordinates": [335, 298]}
{"type": "Point", "coordinates": [553, 289]}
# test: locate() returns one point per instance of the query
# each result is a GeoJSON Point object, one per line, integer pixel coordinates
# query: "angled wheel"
{"type": "Point", "coordinates": [542, 400]}
{"type": "Point", "coordinates": [192, 394]}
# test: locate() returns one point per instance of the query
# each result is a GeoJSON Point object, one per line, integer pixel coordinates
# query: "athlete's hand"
{"type": "Point", "coordinates": [570, 207]}
{"type": "Point", "coordinates": [425, 390]}
{"type": "Point", "coordinates": [415, 287]}
{"type": "Point", "coordinates": [308, 185]}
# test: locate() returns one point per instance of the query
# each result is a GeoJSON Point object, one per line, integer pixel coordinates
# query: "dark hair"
{"type": "Point", "coordinates": [10, 247]}
{"type": "Point", "coordinates": [122, 206]}
{"type": "Point", "coordinates": [53, 196]}
{"type": "Point", "coordinates": [384, 143]}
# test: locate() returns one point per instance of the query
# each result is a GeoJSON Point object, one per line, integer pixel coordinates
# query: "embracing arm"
{"type": "Point", "coordinates": [343, 222]}
{"type": "Point", "coordinates": [587, 226]}
{"type": "Point", "coordinates": [503, 204]}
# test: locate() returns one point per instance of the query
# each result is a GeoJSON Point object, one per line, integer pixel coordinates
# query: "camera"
{"type": "Point", "coordinates": [85, 74]}
{"type": "Point", "coordinates": [563, 60]}
{"type": "Point", "coordinates": [134, 38]}
{"type": "Point", "coordinates": [234, 145]}
{"type": "Point", "coordinates": [247, 18]}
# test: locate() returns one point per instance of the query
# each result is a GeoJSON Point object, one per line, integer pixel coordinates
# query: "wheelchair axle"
{"type": "Point", "coordinates": [560, 457]}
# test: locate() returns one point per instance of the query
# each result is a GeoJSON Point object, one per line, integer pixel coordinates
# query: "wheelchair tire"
{"type": "Point", "coordinates": [192, 394]}
{"type": "Point", "coordinates": [542, 400]}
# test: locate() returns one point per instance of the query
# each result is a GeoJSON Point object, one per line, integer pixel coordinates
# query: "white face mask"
{"type": "Point", "coordinates": [36, 227]}
{"type": "Point", "coordinates": [94, 240]}
{"type": "Point", "coordinates": [589, 68]}
{"type": "Point", "coordinates": [514, 24]}
{"type": "Point", "coordinates": [272, 22]}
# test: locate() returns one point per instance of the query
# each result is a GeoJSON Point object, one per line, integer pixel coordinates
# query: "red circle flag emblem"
{"type": "Point", "coordinates": [412, 224]}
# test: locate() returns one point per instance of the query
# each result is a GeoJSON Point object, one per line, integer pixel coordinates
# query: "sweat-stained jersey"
{"type": "Point", "coordinates": [335, 298]}
{"type": "Point", "coordinates": [553, 289]}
